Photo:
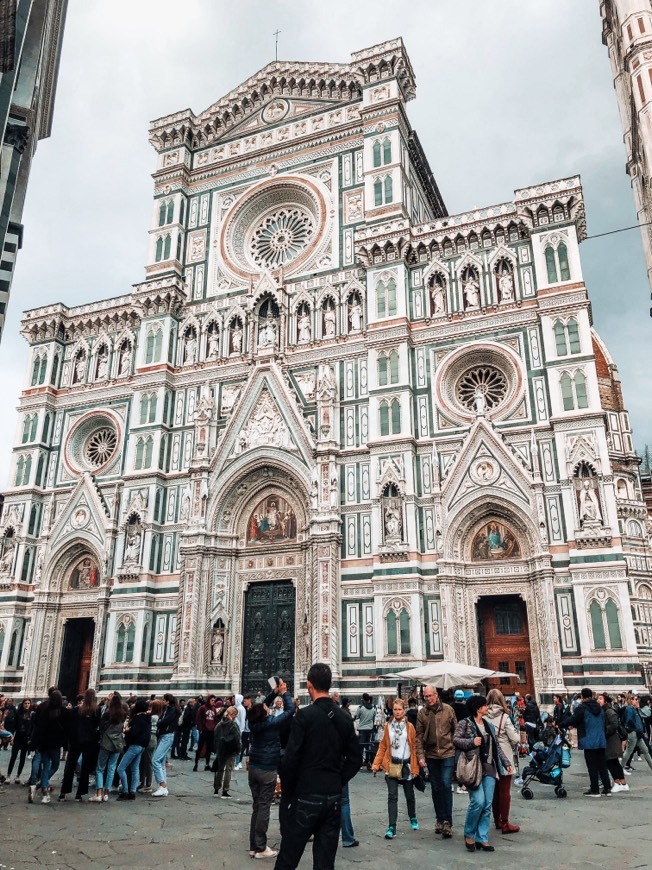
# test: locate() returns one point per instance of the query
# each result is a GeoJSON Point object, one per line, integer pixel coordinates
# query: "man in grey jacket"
{"type": "Point", "coordinates": [366, 718]}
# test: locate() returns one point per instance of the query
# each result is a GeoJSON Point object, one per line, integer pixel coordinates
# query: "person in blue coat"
{"type": "Point", "coordinates": [589, 719]}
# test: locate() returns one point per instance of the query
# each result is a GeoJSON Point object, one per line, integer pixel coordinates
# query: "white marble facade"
{"type": "Point", "coordinates": [324, 379]}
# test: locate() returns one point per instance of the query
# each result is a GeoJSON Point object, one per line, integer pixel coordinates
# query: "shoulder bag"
{"type": "Point", "coordinates": [469, 768]}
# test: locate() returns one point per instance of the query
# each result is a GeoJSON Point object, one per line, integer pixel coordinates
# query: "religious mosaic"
{"type": "Point", "coordinates": [495, 541]}
{"type": "Point", "coordinates": [272, 520]}
{"type": "Point", "coordinates": [85, 575]}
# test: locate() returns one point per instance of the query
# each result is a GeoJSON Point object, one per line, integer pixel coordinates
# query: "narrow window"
{"type": "Point", "coordinates": [376, 150]}
{"type": "Point", "coordinates": [387, 151]}
{"type": "Point", "coordinates": [580, 390]}
{"type": "Point", "coordinates": [378, 192]}
{"type": "Point", "coordinates": [46, 428]}
{"type": "Point", "coordinates": [391, 297]}
{"type": "Point", "coordinates": [26, 428]}
{"type": "Point", "coordinates": [158, 345]}
{"type": "Point", "coordinates": [641, 25]}
{"type": "Point", "coordinates": [39, 470]}
{"type": "Point", "coordinates": [384, 419]}
{"type": "Point", "coordinates": [393, 367]}
{"type": "Point", "coordinates": [161, 215]}
{"type": "Point", "coordinates": [144, 651]}
{"type": "Point", "coordinates": [12, 648]}
{"type": "Point", "coordinates": [564, 270]}
{"type": "Point", "coordinates": [392, 640]}
{"type": "Point", "coordinates": [630, 32]}
{"type": "Point", "coordinates": [396, 417]}
{"type": "Point", "coordinates": [404, 628]}
{"type": "Point", "coordinates": [28, 470]}
{"type": "Point", "coordinates": [613, 625]}
{"type": "Point", "coordinates": [32, 431]}
{"type": "Point", "coordinates": [381, 299]}
{"type": "Point", "coordinates": [20, 465]}
{"type": "Point", "coordinates": [139, 453]}
{"type": "Point", "coordinates": [131, 636]}
{"type": "Point", "coordinates": [567, 392]}
{"type": "Point", "coordinates": [388, 189]}
{"type": "Point", "coordinates": [166, 247]}
{"type": "Point", "coordinates": [382, 370]}
{"type": "Point", "coordinates": [597, 625]}
{"type": "Point", "coordinates": [573, 336]}
{"type": "Point", "coordinates": [170, 212]}
{"type": "Point", "coordinates": [560, 339]}
{"type": "Point", "coordinates": [152, 408]}
{"type": "Point", "coordinates": [182, 211]}
{"type": "Point", "coordinates": [551, 265]}
{"type": "Point", "coordinates": [55, 370]}
{"type": "Point", "coordinates": [159, 249]}
{"type": "Point", "coordinates": [144, 404]}
{"type": "Point", "coordinates": [149, 444]}
{"type": "Point", "coordinates": [641, 89]}
{"type": "Point", "coordinates": [43, 369]}
{"type": "Point", "coordinates": [149, 347]}
{"type": "Point", "coordinates": [120, 645]}
{"type": "Point", "coordinates": [35, 370]}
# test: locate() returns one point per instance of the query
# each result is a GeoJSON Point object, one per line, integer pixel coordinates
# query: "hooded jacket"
{"type": "Point", "coordinates": [589, 719]}
{"type": "Point", "coordinates": [366, 716]}
{"type": "Point", "coordinates": [242, 713]}
{"type": "Point", "coordinates": [614, 743]}
{"type": "Point", "coordinates": [506, 734]}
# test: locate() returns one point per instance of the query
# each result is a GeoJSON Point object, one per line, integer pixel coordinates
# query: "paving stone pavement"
{"type": "Point", "coordinates": [192, 829]}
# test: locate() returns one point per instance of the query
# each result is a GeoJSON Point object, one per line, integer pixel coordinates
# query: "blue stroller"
{"type": "Point", "coordinates": [547, 765]}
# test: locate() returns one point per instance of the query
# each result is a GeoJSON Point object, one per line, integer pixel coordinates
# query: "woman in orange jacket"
{"type": "Point", "coordinates": [397, 756]}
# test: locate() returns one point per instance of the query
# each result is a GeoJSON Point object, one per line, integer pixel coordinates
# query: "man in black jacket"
{"type": "Point", "coordinates": [322, 755]}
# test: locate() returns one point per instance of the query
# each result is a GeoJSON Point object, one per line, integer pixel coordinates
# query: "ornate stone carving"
{"type": "Point", "coordinates": [265, 428]}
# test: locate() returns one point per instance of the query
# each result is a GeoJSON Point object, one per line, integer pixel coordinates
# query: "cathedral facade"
{"type": "Point", "coordinates": [332, 423]}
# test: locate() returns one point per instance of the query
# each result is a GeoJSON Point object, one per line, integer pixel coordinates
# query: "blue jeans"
{"type": "Point", "coordinates": [440, 771]}
{"type": "Point", "coordinates": [478, 815]}
{"type": "Point", "coordinates": [48, 762]}
{"type": "Point", "coordinates": [130, 763]}
{"type": "Point", "coordinates": [160, 754]}
{"type": "Point", "coordinates": [106, 760]}
{"type": "Point", "coordinates": [348, 835]}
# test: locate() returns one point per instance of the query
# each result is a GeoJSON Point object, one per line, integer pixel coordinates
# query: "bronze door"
{"type": "Point", "coordinates": [76, 654]}
{"type": "Point", "coordinates": [268, 648]}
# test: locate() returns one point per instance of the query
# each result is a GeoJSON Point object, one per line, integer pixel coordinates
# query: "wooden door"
{"type": "Point", "coordinates": [505, 642]}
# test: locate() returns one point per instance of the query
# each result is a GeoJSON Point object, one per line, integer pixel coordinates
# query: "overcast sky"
{"type": "Point", "coordinates": [509, 93]}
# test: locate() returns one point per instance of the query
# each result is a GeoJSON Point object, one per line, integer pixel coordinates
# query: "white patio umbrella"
{"type": "Point", "coordinates": [449, 675]}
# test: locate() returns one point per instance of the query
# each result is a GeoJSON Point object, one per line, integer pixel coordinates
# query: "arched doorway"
{"type": "Point", "coordinates": [504, 642]}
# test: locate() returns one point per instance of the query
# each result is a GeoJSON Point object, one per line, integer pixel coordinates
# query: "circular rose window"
{"type": "Point", "coordinates": [282, 222]}
{"type": "Point", "coordinates": [92, 443]}
{"type": "Point", "coordinates": [479, 378]}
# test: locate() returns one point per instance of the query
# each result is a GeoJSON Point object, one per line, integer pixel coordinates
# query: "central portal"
{"type": "Point", "coordinates": [505, 642]}
{"type": "Point", "coordinates": [76, 655]}
{"type": "Point", "coordinates": [268, 648]}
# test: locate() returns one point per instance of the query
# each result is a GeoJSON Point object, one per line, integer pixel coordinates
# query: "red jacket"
{"type": "Point", "coordinates": [206, 718]}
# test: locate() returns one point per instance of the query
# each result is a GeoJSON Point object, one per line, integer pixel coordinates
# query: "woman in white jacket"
{"type": "Point", "coordinates": [508, 739]}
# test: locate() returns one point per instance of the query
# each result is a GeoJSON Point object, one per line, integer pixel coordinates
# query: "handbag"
{"type": "Point", "coordinates": [469, 768]}
{"type": "Point", "coordinates": [395, 770]}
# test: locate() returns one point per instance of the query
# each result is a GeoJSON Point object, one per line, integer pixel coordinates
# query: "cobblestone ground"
{"type": "Point", "coordinates": [191, 829]}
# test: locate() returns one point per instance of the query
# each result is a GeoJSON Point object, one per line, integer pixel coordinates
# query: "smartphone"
{"type": "Point", "coordinates": [273, 682]}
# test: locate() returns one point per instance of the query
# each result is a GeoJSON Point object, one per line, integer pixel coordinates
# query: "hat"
{"type": "Point", "coordinates": [459, 695]}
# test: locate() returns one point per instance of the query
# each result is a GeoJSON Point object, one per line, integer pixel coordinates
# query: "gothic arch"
{"type": "Point", "coordinates": [61, 562]}
{"type": "Point", "coordinates": [469, 518]}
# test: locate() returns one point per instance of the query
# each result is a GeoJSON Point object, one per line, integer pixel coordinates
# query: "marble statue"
{"type": "Point", "coordinates": [125, 360]}
{"type": "Point", "coordinates": [506, 287]}
{"type": "Point", "coordinates": [132, 550]}
{"type": "Point", "coordinates": [80, 365]}
{"type": "Point", "coordinates": [190, 351]}
{"type": "Point", "coordinates": [393, 523]}
{"type": "Point", "coordinates": [479, 401]}
{"type": "Point", "coordinates": [7, 556]}
{"type": "Point", "coordinates": [217, 646]}
{"type": "Point", "coordinates": [472, 292]}
{"type": "Point", "coordinates": [236, 339]}
{"type": "Point", "coordinates": [303, 325]}
{"type": "Point", "coordinates": [589, 507]}
{"type": "Point", "coordinates": [213, 345]}
{"type": "Point", "coordinates": [329, 322]}
{"type": "Point", "coordinates": [355, 317]}
{"type": "Point", "coordinates": [438, 300]}
{"type": "Point", "coordinates": [102, 367]}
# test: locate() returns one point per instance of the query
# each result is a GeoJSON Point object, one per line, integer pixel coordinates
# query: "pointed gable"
{"type": "Point", "coordinates": [85, 515]}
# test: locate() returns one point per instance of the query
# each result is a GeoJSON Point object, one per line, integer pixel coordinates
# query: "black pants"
{"type": "Point", "coordinates": [392, 798]}
{"type": "Point", "coordinates": [310, 815]}
{"type": "Point", "coordinates": [89, 753]}
{"type": "Point", "coordinates": [17, 747]}
{"type": "Point", "coordinates": [184, 737]}
{"type": "Point", "coordinates": [205, 739]}
{"type": "Point", "coordinates": [596, 764]}
{"type": "Point", "coordinates": [615, 768]}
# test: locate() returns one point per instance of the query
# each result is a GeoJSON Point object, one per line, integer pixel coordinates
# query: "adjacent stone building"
{"type": "Point", "coordinates": [31, 32]}
{"type": "Point", "coordinates": [333, 422]}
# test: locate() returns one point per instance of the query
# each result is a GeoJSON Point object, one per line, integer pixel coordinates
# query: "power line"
{"type": "Point", "coordinates": [621, 230]}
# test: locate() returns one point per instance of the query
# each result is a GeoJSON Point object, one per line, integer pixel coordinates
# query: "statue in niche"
{"type": "Point", "coordinates": [303, 327]}
{"type": "Point", "coordinates": [80, 365]}
{"type": "Point", "coordinates": [471, 290]}
{"type": "Point", "coordinates": [589, 507]}
{"type": "Point", "coordinates": [190, 349]}
{"type": "Point", "coordinates": [329, 321]}
{"type": "Point", "coordinates": [39, 566]}
{"type": "Point", "coordinates": [217, 645]}
{"type": "Point", "coordinates": [7, 558]}
{"type": "Point", "coordinates": [213, 350]}
{"type": "Point", "coordinates": [355, 315]}
{"type": "Point", "coordinates": [125, 359]}
{"type": "Point", "coordinates": [438, 298]}
{"type": "Point", "coordinates": [102, 365]}
{"type": "Point", "coordinates": [393, 523]}
{"type": "Point", "coordinates": [185, 506]}
{"type": "Point", "coordinates": [506, 287]}
{"type": "Point", "coordinates": [132, 549]}
{"type": "Point", "coordinates": [236, 338]}
{"type": "Point", "coordinates": [267, 332]}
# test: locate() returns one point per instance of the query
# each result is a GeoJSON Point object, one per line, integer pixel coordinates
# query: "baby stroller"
{"type": "Point", "coordinates": [547, 765]}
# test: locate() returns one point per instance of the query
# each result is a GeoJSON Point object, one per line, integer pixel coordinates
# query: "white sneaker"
{"type": "Point", "coordinates": [238, 767]}
{"type": "Point", "coordinates": [17, 781]}
{"type": "Point", "coordinates": [45, 799]}
{"type": "Point", "coordinates": [160, 792]}
{"type": "Point", "coordinates": [627, 772]}
{"type": "Point", "coordinates": [616, 787]}
{"type": "Point", "coordinates": [268, 853]}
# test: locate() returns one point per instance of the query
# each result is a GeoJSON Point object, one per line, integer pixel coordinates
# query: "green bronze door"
{"type": "Point", "coordinates": [268, 649]}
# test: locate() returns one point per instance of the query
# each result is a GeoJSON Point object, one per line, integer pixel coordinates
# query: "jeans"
{"type": "Point", "coordinates": [223, 769]}
{"type": "Point", "coordinates": [246, 740]}
{"type": "Point", "coordinates": [364, 741]}
{"type": "Point", "coordinates": [262, 784]}
{"type": "Point", "coordinates": [392, 798]}
{"type": "Point", "coordinates": [441, 777]}
{"type": "Point", "coordinates": [634, 741]}
{"type": "Point", "coordinates": [106, 761]}
{"type": "Point", "coordinates": [348, 834]}
{"type": "Point", "coordinates": [48, 762]}
{"type": "Point", "coordinates": [194, 738]}
{"type": "Point", "coordinates": [160, 754]}
{"type": "Point", "coordinates": [311, 815]}
{"type": "Point", "coordinates": [146, 763]}
{"type": "Point", "coordinates": [129, 764]}
{"type": "Point", "coordinates": [596, 764]}
{"type": "Point", "coordinates": [478, 815]}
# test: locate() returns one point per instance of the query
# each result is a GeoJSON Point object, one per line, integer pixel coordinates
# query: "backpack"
{"type": "Point", "coordinates": [622, 731]}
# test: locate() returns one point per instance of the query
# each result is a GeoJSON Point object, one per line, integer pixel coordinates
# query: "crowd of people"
{"type": "Point", "coordinates": [304, 756]}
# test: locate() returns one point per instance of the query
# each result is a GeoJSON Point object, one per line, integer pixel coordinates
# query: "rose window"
{"type": "Point", "coordinates": [281, 236]}
{"type": "Point", "coordinates": [100, 446]}
{"type": "Point", "coordinates": [486, 381]}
